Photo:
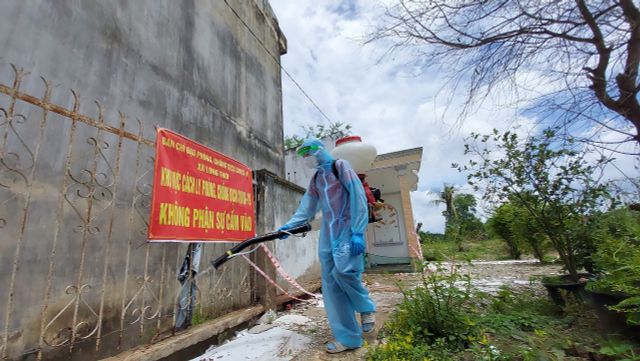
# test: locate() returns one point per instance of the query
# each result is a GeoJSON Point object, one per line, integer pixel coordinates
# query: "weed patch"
{"type": "Point", "coordinates": [444, 319]}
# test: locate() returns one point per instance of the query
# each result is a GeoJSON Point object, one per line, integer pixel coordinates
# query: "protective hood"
{"type": "Point", "coordinates": [321, 154]}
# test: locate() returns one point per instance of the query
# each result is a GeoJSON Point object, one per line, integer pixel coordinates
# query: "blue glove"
{"type": "Point", "coordinates": [284, 228]}
{"type": "Point", "coordinates": [357, 244]}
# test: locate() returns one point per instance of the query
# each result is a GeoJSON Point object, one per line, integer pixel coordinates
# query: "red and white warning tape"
{"type": "Point", "coordinates": [416, 251]}
{"type": "Point", "coordinates": [266, 277]}
{"type": "Point", "coordinates": [282, 272]}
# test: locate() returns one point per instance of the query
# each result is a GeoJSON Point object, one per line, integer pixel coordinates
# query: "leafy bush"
{"type": "Point", "coordinates": [437, 310]}
{"type": "Point", "coordinates": [433, 321]}
{"type": "Point", "coordinates": [502, 225]}
{"type": "Point", "coordinates": [404, 348]}
{"type": "Point", "coordinates": [620, 350]}
{"type": "Point", "coordinates": [618, 259]}
{"type": "Point", "coordinates": [508, 313]}
{"type": "Point", "coordinates": [427, 237]}
{"type": "Point", "coordinates": [507, 326]}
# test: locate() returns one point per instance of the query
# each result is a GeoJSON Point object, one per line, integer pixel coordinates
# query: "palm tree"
{"type": "Point", "coordinates": [446, 197]}
{"type": "Point", "coordinates": [450, 214]}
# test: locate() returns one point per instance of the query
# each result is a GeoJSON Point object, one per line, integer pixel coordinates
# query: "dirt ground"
{"type": "Point", "coordinates": [304, 339]}
{"type": "Point", "coordinates": [486, 276]}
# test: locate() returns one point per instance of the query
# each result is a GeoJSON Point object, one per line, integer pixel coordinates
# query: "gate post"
{"type": "Point", "coordinates": [265, 219]}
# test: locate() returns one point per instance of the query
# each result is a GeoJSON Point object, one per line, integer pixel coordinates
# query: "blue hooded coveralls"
{"type": "Point", "coordinates": [344, 221]}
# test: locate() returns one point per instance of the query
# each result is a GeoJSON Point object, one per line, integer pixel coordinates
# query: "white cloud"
{"type": "Point", "coordinates": [384, 101]}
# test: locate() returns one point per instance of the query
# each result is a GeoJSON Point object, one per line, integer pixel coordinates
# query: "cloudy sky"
{"type": "Point", "coordinates": [389, 102]}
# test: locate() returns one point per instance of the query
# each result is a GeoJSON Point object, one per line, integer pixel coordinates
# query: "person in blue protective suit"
{"type": "Point", "coordinates": [344, 221]}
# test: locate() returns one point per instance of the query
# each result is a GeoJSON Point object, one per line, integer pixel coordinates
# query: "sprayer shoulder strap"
{"type": "Point", "coordinates": [334, 170]}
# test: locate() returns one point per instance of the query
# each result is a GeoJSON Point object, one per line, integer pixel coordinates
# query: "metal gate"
{"type": "Point", "coordinates": [77, 277]}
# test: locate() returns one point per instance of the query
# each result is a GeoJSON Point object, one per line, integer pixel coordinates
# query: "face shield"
{"type": "Point", "coordinates": [308, 150]}
{"type": "Point", "coordinates": [308, 155]}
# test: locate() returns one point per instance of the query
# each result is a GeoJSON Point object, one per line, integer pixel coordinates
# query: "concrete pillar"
{"type": "Point", "coordinates": [406, 184]}
{"type": "Point", "coordinates": [265, 293]}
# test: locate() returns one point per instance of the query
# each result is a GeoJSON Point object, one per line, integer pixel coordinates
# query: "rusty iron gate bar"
{"type": "Point", "coordinates": [16, 94]}
{"type": "Point", "coordinates": [89, 183]}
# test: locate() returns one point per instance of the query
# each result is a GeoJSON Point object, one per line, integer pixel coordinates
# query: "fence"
{"type": "Point", "coordinates": [77, 275]}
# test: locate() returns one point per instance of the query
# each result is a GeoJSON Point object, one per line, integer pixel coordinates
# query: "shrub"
{"type": "Point", "coordinates": [508, 312]}
{"type": "Point", "coordinates": [618, 260]}
{"type": "Point", "coordinates": [438, 310]}
{"type": "Point", "coordinates": [501, 224]}
{"type": "Point", "coordinates": [405, 349]}
{"type": "Point", "coordinates": [433, 321]}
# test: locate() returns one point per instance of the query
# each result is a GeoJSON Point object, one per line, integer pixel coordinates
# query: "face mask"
{"type": "Point", "coordinates": [310, 162]}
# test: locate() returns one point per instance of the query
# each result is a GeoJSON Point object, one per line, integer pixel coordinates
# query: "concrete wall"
{"type": "Point", "coordinates": [77, 280]}
{"type": "Point", "coordinates": [190, 65]}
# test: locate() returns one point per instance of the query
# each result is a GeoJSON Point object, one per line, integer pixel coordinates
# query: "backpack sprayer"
{"type": "Point", "coordinates": [235, 251]}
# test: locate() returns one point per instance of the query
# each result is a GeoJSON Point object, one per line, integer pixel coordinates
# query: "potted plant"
{"type": "Point", "coordinates": [554, 183]}
{"type": "Point", "coordinates": [615, 293]}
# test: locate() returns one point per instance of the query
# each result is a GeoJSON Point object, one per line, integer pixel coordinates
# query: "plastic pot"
{"type": "Point", "coordinates": [611, 320]}
{"type": "Point", "coordinates": [555, 284]}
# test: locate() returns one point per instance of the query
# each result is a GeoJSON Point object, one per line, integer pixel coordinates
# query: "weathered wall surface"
{"type": "Point", "coordinates": [186, 65]}
{"type": "Point", "coordinates": [77, 280]}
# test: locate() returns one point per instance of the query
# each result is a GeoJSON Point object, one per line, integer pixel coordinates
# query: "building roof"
{"type": "Point", "coordinates": [400, 153]}
{"type": "Point", "coordinates": [409, 157]}
{"type": "Point", "coordinates": [388, 167]}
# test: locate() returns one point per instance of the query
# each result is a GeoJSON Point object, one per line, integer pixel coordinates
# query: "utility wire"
{"type": "Point", "coordinates": [278, 62]}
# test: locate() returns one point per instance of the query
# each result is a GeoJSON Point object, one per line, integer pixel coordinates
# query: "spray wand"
{"type": "Point", "coordinates": [235, 251]}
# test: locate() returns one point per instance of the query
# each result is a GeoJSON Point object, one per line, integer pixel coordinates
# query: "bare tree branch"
{"type": "Point", "coordinates": [590, 48]}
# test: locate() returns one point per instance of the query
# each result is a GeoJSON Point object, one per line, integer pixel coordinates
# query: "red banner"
{"type": "Point", "coordinates": [199, 194]}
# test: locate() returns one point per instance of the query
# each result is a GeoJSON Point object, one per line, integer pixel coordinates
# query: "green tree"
{"type": "Point", "coordinates": [513, 223]}
{"type": "Point", "coordinates": [528, 230]}
{"type": "Point", "coordinates": [447, 197]}
{"type": "Point", "coordinates": [501, 224]}
{"type": "Point", "coordinates": [556, 185]}
{"type": "Point", "coordinates": [471, 226]}
{"type": "Point", "coordinates": [335, 130]}
{"type": "Point", "coordinates": [461, 222]}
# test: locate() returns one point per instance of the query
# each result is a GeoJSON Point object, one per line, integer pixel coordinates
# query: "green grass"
{"type": "Point", "coordinates": [489, 250]}
{"type": "Point", "coordinates": [199, 317]}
